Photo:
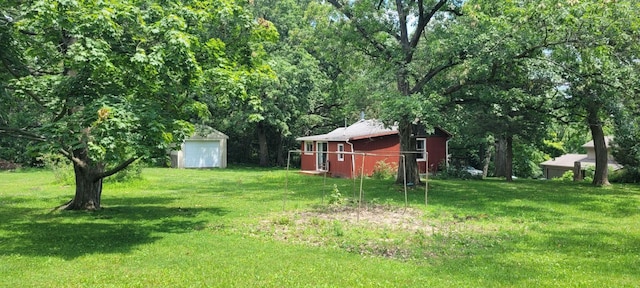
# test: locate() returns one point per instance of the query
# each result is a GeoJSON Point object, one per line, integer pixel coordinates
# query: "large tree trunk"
{"type": "Point", "coordinates": [407, 144]}
{"type": "Point", "coordinates": [601, 176]}
{"type": "Point", "coordinates": [89, 177]}
{"type": "Point", "coordinates": [262, 143]}
{"type": "Point", "coordinates": [487, 160]}
{"type": "Point", "coordinates": [508, 162]}
{"type": "Point", "coordinates": [88, 184]}
{"type": "Point", "coordinates": [280, 159]}
{"type": "Point", "coordinates": [504, 157]}
{"type": "Point", "coordinates": [501, 157]}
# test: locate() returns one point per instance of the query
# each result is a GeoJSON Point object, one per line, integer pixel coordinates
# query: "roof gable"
{"type": "Point", "coordinates": [359, 130]}
{"type": "Point", "coordinates": [203, 132]}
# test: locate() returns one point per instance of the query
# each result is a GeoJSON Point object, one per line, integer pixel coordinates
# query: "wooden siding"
{"type": "Point", "coordinates": [437, 149]}
{"type": "Point", "coordinates": [339, 168]}
{"type": "Point", "coordinates": [307, 160]}
{"type": "Point", "coordinates": [385, 148]}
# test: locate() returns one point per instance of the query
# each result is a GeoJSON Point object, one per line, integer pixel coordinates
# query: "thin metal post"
{"type": "Point", "coordinates": [426, 182]}
{"type": "Point", "coordinates": [286, 182]}
{"type": "Point", "coordinates": [361, 191]}
{"type": "Point", "coordinates": [324, 186]}
{"type": "Point", "coordinates": [406, 198]}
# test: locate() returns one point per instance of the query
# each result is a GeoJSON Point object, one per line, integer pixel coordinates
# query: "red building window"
{"type": "Point", "coordinates": [308, 148]}
{"type": "Point", "coordinates": [421, 149]}
{"type": "Point", "coordinates": [340, 149]}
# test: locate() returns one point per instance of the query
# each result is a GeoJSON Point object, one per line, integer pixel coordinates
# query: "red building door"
{"type": "Point", "coordinates": [322, 156]}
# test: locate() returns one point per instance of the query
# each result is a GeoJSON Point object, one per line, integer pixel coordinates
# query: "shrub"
{"type": "Point", "coordinates": [566, 176]}
{"type": "Point", "coordinates": [336, 197]}
{"type": "Point", "coordinates": [133, 171]}
{"type": "Point", "coordinates": [60, 166]}
{"type": "Point", "coordinates": [457, 173]}
{"type": "Point", "coordinates": [384, 170]}
{"type": "Point", "coordinates": [625, 175]}
{"type": "Point", "coordinates": [589, 172]}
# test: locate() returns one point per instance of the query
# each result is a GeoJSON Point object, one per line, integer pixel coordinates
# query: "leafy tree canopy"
{"type": "Point", "coordinates": [108, 82]}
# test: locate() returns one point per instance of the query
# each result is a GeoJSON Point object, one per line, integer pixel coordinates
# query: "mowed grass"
{"type": "Point", "coordinates": [246, 227]}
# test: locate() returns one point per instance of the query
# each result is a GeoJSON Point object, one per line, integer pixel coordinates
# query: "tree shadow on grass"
{"type": "Point", "coordinates": [503, 197]}
{"type": "Point", "coordinates": [606, 252]}
{"type": "Point", "coordinates": [588, 241]}
{"type": "Point", "coordinates": [115, 229]}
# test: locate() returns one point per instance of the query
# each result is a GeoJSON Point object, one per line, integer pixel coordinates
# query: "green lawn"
{"type": "Point", "coordinates": [240, 227]}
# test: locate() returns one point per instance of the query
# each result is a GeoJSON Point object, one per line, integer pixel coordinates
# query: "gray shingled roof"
{"type": "Point", "coordinates": [358, 130]}
{"type": "Point", "coordinates": [567, 160]}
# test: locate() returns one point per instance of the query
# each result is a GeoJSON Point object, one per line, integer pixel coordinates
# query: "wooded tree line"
{"type": "Point", "coordinates": [106, 83]}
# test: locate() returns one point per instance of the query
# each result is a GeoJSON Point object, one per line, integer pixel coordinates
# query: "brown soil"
{"type": "Point", "coordinates": [8, 165]}
{"type": "Point", "coordinates": [374, 216]}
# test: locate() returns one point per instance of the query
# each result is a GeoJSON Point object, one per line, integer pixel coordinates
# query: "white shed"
{"type": "Point", "coordinates": [207, 148]}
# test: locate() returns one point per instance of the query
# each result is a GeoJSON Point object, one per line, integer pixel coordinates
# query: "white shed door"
{"type": "Point", "coordinates": [201, 154]}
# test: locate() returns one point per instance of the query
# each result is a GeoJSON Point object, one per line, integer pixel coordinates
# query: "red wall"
{"type": "Point", "coordinates": [336, 168]}
{"type": "Point", "coordinates": [339, 168]}
{"type": "Point", "coordinates": [437, 149]}
{"type": "Point", "coordinates": [307, 162]}
{"type": "Point", "coordinates": [386, 147]}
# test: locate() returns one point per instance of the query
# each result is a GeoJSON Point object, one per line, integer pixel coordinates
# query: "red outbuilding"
{"type": "Point", "coordinates": [371, 141]}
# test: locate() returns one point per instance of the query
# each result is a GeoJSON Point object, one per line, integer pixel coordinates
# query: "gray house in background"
{"type": "Point", "coordinates": [207, 148]}
{"type": "Point", "coordinates": [557, 166]}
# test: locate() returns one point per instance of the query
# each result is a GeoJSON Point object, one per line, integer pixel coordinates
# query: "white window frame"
{"type": "Point", "coordinates": [308, 147]}
{"type": "Point", "coordinates": [421, 156]}
{"type": "Point", "coordinates": [339, 150]}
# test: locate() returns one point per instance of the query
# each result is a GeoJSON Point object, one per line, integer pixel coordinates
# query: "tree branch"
{"type": "Point", "coordinates": [423, 20]}
{"type": "Point", "coordinates": [454, 12]}
{"type": "Point", "coordinates": [17, 75]}
{"type": "Point", "coordinates": [432, 73]}
{"type": "Point", "coordinates": [19, 133]}
{"type": "Point", "coordinates": [116, 169]}
{"type": "Point", "coordinates": [528, 51]}
{"type": "Point", "coordinates": [73, 159]}
{"type": "Point", "coordinates": [404, 33]}
{"type": "Point", "coordinates": [377, 45]}
{"type": "Point", "coordinates": [491, 78]}
{"type": "Point", "coordinates": [63, 111]}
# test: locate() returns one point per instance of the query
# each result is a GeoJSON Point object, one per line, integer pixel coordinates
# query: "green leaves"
{"type": "Point", "coordinates": [122, 79]}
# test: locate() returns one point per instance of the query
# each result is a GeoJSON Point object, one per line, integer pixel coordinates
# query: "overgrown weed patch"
{"type": "Point", "coordinates": [383, 230]}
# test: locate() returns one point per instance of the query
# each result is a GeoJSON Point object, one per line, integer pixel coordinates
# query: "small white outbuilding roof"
{"type": "Point", "coordinates": [207, 133]}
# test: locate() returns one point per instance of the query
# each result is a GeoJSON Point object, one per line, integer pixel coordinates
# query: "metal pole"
{"type": "Point", "coordinates": [286, 182]}
{"type": "Point", "coordinates": [404, 165]}
{"type": "Point", "coordinates": [361, 181]}
{"type": "Point", "coordinates": [324, 186]}
{"type": "Point", "coordinates": [426, 181]}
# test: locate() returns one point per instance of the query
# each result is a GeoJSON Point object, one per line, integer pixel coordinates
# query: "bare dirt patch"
{"type": "Point", "coordinates": [376, 230]}
{"type": "Point", "coordinates": [373, 216]}
{"type": "Point", "coordinates": [371, 230]}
